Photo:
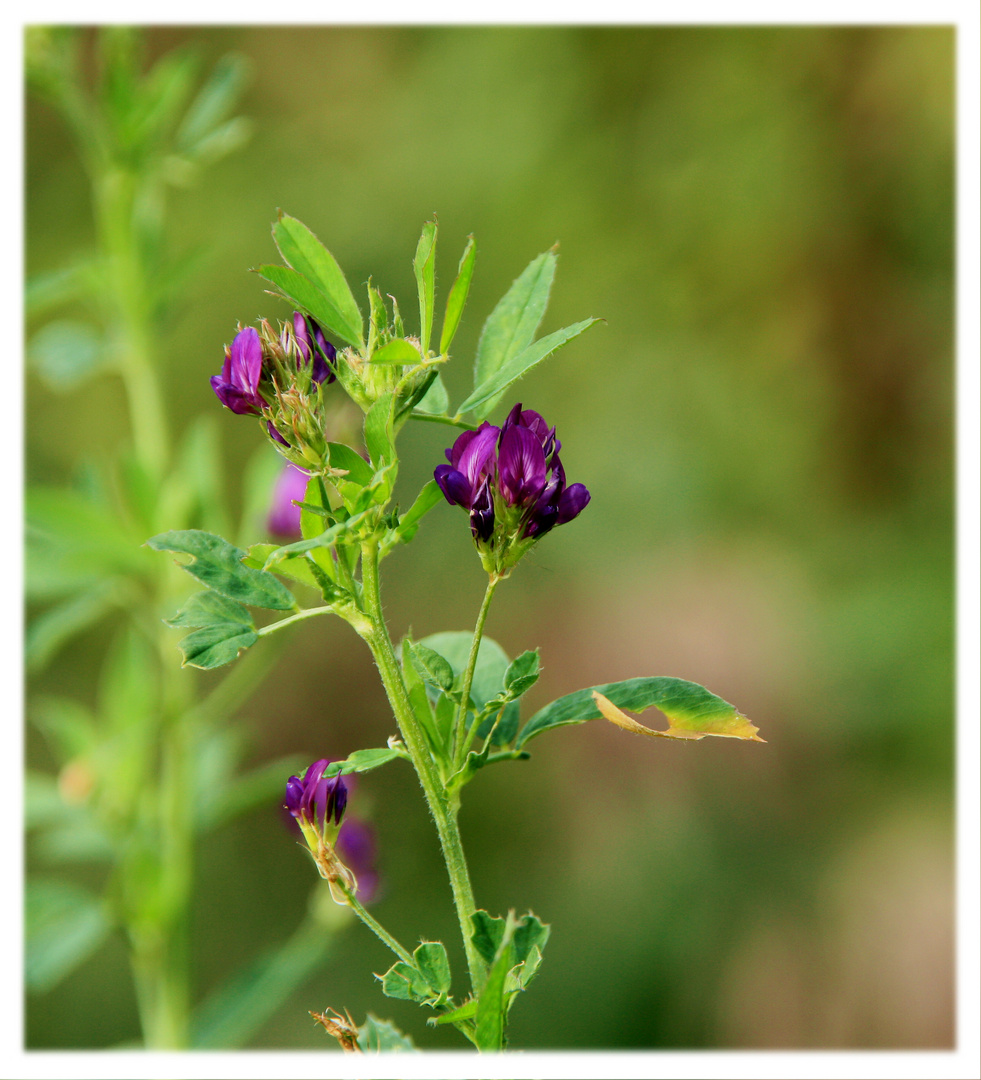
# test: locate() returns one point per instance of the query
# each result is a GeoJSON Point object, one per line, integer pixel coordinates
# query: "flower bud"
{"type": "Point", "coordinates": [237, 386]}
{"type": "Point", "coordinates": [317, 803]}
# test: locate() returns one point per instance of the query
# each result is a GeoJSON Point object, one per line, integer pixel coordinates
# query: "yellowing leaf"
{"type": "Point", "coordinates": [731, 726]}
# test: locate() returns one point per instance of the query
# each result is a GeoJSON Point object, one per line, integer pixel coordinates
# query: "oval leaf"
{"type": "Point", "coordinates": [304, 294]}
{"type": "Point", "coordinates": [692, 711]}
{"type": "Point", "coordinates": [457, 299]}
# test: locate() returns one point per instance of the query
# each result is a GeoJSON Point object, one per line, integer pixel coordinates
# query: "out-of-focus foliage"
{"type": "Point", "coordinates": [763, 217]}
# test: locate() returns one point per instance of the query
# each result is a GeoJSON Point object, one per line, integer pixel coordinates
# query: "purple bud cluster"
{"type": "Point", "coordinates": [316, 801]}
{"type": "Point", "coordinates": [510, 479]}
{"type": "Point", "coordinates": [253, 362]}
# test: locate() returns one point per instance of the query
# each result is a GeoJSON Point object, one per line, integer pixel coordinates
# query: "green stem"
{"type": "Point", "coordinates": [446, 824]}
{"type": "Point", "coordinates": [377, 928]}
{"type": "Point", "coordinates": [307, 613]}
{"type": "Point", "coordinates": [460, 742]}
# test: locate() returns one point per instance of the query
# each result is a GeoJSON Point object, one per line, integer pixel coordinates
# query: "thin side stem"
{"type": "Point", "coordinates": [446, 825]}
{"type": "Point", "coordinates": [459, 734]}
{"type": "Point", "coordinates": [377, 928]}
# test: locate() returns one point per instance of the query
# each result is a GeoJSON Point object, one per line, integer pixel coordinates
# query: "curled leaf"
{"type": "Point", "coordinates": [732, 725]}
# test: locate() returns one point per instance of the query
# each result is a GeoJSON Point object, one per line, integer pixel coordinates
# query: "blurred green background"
{"type": "Point", "coordinates": [764, 218]}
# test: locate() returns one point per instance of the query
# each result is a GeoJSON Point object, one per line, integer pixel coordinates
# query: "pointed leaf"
{"type": "Point", "coordinates": [435, 401]}
{"type": "Point", "coordinates": [522, 673]}
{"type": "Point", "coordinates": [486, 395]}
{"type": "Point", "coordinates": [512, 325]}
{"type": "Point", "coordinates": [306, 254]}
{"type": "Point", "coordinates": [396, 351]}
{"type": "Point", "coordinates": [363, 761]}
{"type": "Point", "coordinates": [692, 710]}
{"type": "Point", "coordinates": [457, 299]}
{"type": "Point", "coordinates": [434, 668]}
{"type": "Point", "coordinates": [425, 501]}
{"type": "Point", "coordinates": [492, 1003]}
{"type": "Point", "coordinates": [304, 294]}
{"type": "Point", "coordinates": [424, 266]}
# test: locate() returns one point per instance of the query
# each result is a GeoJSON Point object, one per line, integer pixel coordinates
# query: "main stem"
{"type": "Point", "coordinates": [446, 824]}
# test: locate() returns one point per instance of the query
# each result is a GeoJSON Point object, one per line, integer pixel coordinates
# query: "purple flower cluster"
{"type": "Point", "coordinates": [237, 386]}
{"type": "Point", "coordinates": [315, 801]}
{"type": "Point", "coordinates": [511, 476]}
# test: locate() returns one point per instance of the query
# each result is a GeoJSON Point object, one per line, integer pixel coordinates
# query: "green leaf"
{"type": "Point", "coordinates": [511, 326]}
{"type": "Point", "coordinates": [396, 351]}
{"type": "Point", "coordinates": [324, 540]}
{"type": "Point", "coordinates": [66, 353]}
{"type": "Point", "coordinates": [218, 564]}
{"type": "Point", "coordinates": [358, 470]}
{"type": "Point", "coordinates": [215, 646]}
{"type": "Point", "coordinates": [64, 924]}
{"type": "Point", "coordinates": [425, 501]}
{"type": "Point", "coordinates": [522, 673]}
{"type": "Point", "coordinates": [434, 668]}
{"type": "Point", "coordinates": [296, 569]}
{"type": "Point", "coordinates": [457, 299]}
{"type": "Point", "coordinates": [434, 965]}
{"type": "Point", "coordinates": [488, 393]}
{"type": "Point", "coordinates": [378, 432]}
{"type": "Point", "coordinates": [404, 982]}
{"type": "Point", "coordinates": [492, 661]}
{"type": "Point", "coordinates": [380, 1036]}
{"type": "Point", "coordinates": [304, 294]}
{"type": "Point", "coordinates": [363, 761]}
{"type": "Point", "coordinates": [211, 609]}
{"type": "Point", "coordinates": [465, 1012]}
{"type": "Point", "coordinates": [692, 711]}
{"type": "Point", "coordinates": [424, 266]}
{"type": "Point", "coordinates": [306, 254]}
{"type": "Point", "coordinates": [492, 1003]}
{"type": "Point", "coordinates": [488, 933]}
{"type": "Point", "coordinates": [435, 401]}
{"type": "Point", "coordinates": [419, 700]}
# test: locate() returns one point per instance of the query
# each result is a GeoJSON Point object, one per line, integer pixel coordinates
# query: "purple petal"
{"type": "Point", "coordinates": [301, 334]}
{"type": "Point", "coordinates": [478, 457]}
{"type": "Point", "coordinates": [246, 360]}
{"type": "Point", "coordinates": [521, 465]}
{"type": "Point", "coordinates": [453, 485]}
{"type": "Point", "coordinates": [274, 434]}
{"type": "Point", "coordinates": [482, 513]}
{"type": "Point", "coordinates": [572, 502]}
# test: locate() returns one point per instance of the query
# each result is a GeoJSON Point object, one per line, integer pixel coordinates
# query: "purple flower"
{"type": "Point", "coordinates": [511, 481]}
{"type": "Point", "coordinates": [237, 386]}
{"type": "Point", "coordinates": [315, 801]}
{"type": "Point", "coordinates": [284, 516]}
{"type": "Point", "coordinates": [321, 348]}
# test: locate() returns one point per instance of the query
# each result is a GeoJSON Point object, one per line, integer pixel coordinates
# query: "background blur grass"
{"type": "Point", "coordinates": [764, 218]}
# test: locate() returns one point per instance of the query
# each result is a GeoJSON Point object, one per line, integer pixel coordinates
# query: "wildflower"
{"type": "Point", "coordinates": [317, 803]}
{"type": "Point", "coordinates": [237, 386]}
{"type": "Point", "coordinates": [284, 516]}
{"type": "Point", "coordinates": [511, 481]}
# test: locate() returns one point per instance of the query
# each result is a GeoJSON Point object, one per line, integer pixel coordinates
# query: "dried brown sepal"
{"type": "Point", "coordinates": [342, 1028]}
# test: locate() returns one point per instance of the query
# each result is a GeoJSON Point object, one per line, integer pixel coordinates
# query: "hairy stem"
{"type": "Point", "coordinates": [446, 825]}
